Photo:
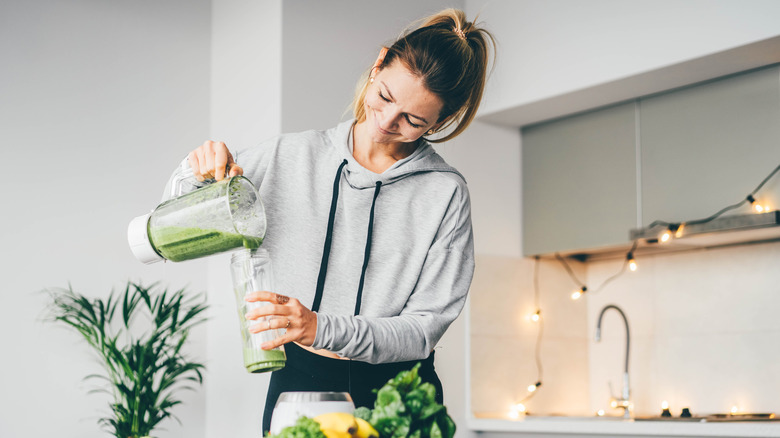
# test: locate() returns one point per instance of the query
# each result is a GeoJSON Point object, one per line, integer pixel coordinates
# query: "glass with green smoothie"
{"type": "Point", "coordinates": [219, 217]}
{"type": "Point", "coordinates": [251, 271]}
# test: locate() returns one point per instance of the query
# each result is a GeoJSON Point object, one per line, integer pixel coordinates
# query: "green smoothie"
{"type": "Point", "coordinates": [261, 361]}
{"type": "Point", "coordinates": [181, 243]}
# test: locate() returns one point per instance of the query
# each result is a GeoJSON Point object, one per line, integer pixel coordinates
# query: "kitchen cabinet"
{"type": "Point", "coordinates": [707, 146]}
{"type": "Point", "coordinates": [677, 156]}
{"type": "Point", "coordinates": [579, 181]}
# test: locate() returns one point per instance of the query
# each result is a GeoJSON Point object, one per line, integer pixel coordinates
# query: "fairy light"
{"type": "Point", "coordinates": [631, 261]}
{"type": "Point", "coordinates": [536, 316]}
{"type": "Point", "coordinates": [679, 232]}
{"type": "Point", "coordinates": [758, 207]}
{"type": "Point", "coordinates": [734, 410]}
{"type": "Point", "coordinates": [601, 413]}
{"type": "Point", "coordinates": [578, 293]}
{"type": "Point", "coordinates": [532, 388]}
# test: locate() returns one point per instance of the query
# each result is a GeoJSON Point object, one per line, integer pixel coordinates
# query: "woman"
{"type": "Point", "coordinates": [369, 229]}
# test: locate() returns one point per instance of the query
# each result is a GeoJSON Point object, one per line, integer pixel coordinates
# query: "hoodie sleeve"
{"type": "Point", "coordinates": [437, 300]}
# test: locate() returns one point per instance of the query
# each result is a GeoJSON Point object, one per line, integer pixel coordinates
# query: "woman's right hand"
{"type": "Point", "coordinates": [213, 160]}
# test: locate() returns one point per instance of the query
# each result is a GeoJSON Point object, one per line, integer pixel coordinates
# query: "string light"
{"type": "Point", "coordinates": [750, 198]}
{"type": "Point", "coordinates": [758, 207]}
{"type": "Point", "coordinates": [516, 410]}
{"type": "Point", "coordinates": [671, 230]}
{"type": "Point", "coordinates": [631, 261]}
{"type": "Point", "coordinates": [583, 289]}
{"type": "Point", "coordinates": [519, 408]}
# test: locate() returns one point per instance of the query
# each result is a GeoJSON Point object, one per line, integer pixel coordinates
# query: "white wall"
{"type": "Point", "coordinates": [99, 99]}
{"type": "Point", "coordinates": [245, 109]}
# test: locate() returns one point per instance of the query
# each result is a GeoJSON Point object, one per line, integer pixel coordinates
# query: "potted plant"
{"type": "Point", "coordinates": [144, 367]}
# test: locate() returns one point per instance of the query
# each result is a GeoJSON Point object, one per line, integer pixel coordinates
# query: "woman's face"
{"type": "Point", "coordinates": [399, 109]}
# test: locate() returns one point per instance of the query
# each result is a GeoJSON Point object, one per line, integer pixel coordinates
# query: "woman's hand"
{"type": "Point", "coordinates": [213, 160]}
{"type": "Point", "coordinates": [284, 313]}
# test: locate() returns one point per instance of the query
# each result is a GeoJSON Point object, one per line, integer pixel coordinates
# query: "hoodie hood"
{"type": "Point", "coordinates": [423, 159]}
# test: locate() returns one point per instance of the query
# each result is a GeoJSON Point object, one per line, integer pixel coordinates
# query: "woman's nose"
{"type": "Point", "coordinates": [389, 120]}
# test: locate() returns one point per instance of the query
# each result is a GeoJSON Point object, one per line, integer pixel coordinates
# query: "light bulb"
{"type": "Point", "coordinates": [519, 408]}
{"type": "Point", "coordinates": [631, 262]}
{"type": "Point", "coordinates": [734, 410]}
{"type": "Point", "coordinates": [600, 413]}
{"type": "Point", "coordinates": [664, 404]}
{"type": "Point", "coordinates": [665, 236]}
{"type": "Point", "coordinates": [535, 317]}
{"type": "Point", "coordinates": [758, 207]}
{"type": "Point", "coordinates": [576, 295]}
{"type": "Point", "coordinates": [531, 388]}
{"type": "Point", "coordinates": [613, 403]}
{"type": "Point", "coordinates": [679, 232]}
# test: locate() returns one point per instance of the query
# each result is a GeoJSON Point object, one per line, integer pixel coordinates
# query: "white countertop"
{"type": "Point", "coordinates": [619, 426]}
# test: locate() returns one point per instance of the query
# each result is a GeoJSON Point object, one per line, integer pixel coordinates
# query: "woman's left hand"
{"type": "Point", "coordinates": [284, 313]}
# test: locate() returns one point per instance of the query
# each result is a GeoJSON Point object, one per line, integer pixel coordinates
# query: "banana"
{"type": "Point", "coordinates": [330, 433]}
{"type": "Point", "coordinates": [365, 429]}
{"type": "Point", "coordinates": [338, 424]}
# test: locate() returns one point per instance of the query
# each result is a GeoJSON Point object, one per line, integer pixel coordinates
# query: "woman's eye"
{"type": "Point", "coordinates": [412, 124]}
{"type": "Point", "coordinates": [383, 97]}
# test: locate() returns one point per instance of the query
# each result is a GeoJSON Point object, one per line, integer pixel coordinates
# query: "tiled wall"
{"type": "Point", "coordinates": [704, 333]}
{"type": "Point", "coordinates": [705, 330]}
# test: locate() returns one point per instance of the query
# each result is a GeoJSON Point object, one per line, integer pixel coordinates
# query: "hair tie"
{"type": "Point", "coordinates": [460, 33]}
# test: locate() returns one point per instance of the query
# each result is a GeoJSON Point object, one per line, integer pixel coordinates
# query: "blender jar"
{"type": "Point", "coordinates": [216, 218]}
{"type": "Point", "coordinates": [251, 271]}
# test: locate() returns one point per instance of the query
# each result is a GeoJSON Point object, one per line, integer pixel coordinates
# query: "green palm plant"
{"type": "Point", "coordinates": [144, 372]}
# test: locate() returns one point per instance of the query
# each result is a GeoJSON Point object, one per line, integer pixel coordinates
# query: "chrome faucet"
{"type": "Point", "coordinates": [624, 401]}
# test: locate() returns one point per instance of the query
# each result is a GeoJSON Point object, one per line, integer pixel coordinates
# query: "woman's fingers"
{"type": "Point", "coordinates": [264, 295]}
{"type": "Point", "coordinates": [270, 310]}
{"type": "Point", "coordinates": [212, 160]}
{"type": "Point", "coordinates": [283, 312]}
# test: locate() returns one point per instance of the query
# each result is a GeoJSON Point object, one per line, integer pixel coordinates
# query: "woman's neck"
{"type": "Point", "coordinates": [377, 157]}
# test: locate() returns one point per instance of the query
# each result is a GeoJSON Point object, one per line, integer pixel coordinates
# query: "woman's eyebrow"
{"type": "Point", "coordinates": [393, 98]}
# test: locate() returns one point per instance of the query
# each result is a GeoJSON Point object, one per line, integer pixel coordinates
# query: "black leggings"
{"type": "Point", "coordinates": [306, 371]}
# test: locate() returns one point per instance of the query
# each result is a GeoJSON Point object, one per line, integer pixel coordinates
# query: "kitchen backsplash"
{"type": "Point", "coordinates": [704, 328]}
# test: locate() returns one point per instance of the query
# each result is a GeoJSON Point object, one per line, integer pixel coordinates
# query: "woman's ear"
{"type": "Point", "coordinates": [379, 60]}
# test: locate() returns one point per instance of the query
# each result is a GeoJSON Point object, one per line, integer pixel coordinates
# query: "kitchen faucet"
{"type": "Point", "coordinates": [623, 402]}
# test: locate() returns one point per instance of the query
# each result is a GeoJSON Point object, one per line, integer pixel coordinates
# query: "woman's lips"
{"type": "Point", "coordinates": [385, 132]}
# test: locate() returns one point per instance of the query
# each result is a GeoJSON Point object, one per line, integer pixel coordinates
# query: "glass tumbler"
{"type": "Point", "coordinates": [251, 271]}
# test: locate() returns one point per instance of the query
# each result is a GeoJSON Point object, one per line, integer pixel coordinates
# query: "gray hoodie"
{"type": "Point", "coordinates": [408, 241]}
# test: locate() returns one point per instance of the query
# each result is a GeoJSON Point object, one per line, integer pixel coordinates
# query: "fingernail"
{"type": "Point", "coordinates": [266, 346]}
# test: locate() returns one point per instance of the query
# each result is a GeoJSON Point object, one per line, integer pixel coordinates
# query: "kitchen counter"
{"type": "Point", "coordinates": [617, 426]}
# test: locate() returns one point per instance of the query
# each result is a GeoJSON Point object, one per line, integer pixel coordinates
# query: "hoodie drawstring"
{"type": "Point", "coordinates": [367, 252]}
{"type": "Point", "coordinates": [329, 240]}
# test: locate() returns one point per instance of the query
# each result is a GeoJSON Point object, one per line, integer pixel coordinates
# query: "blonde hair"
{"type": "Point", "coordinates": [450, 55]}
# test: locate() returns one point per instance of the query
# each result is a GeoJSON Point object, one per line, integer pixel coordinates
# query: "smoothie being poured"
{"type": "Point", "coordinates": [217, 218]}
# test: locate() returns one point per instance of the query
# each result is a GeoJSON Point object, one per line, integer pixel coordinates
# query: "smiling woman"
{"type": "Point", "coordinates": [374, 294]}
